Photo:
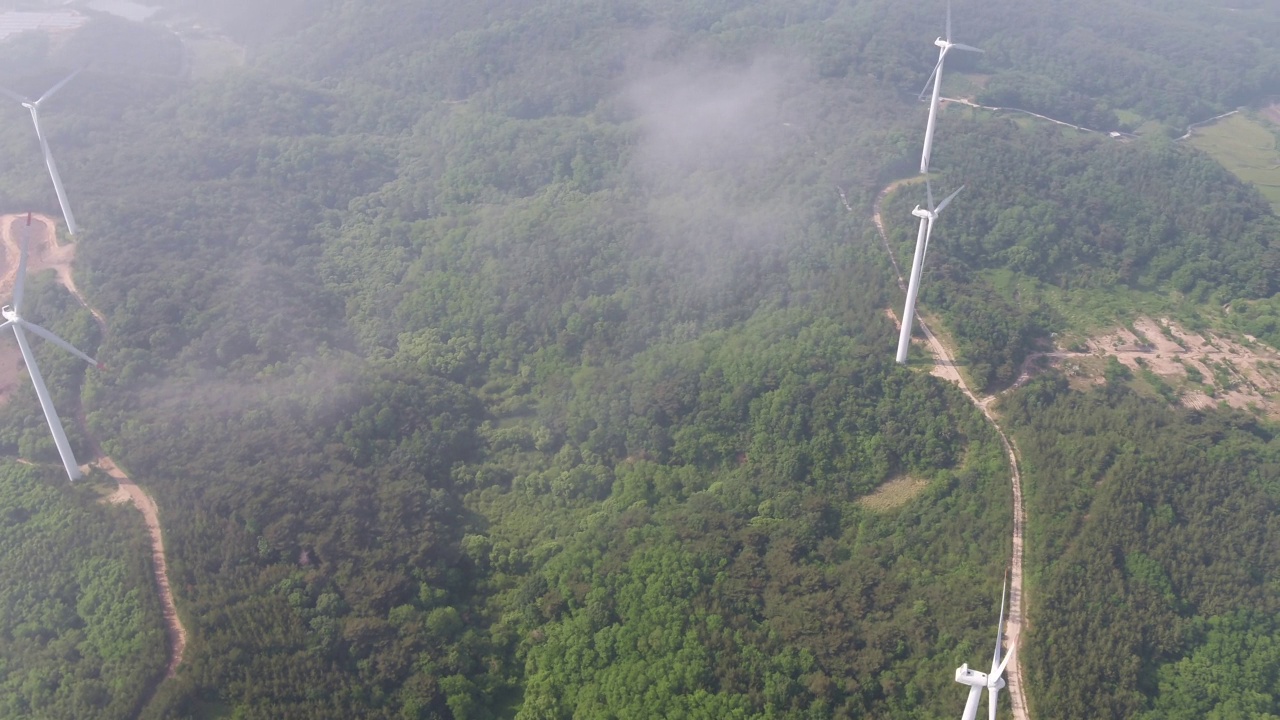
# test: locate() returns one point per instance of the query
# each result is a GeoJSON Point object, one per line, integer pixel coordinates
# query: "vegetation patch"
{"type": "Point", "coordinates": [1198, 370]}
{"type": "Point", "coordinates": [894, 494]}
{"type": "Point", "coordinates": [1248, 149]}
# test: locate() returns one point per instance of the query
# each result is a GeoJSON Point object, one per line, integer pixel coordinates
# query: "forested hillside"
{"type": "Point", "coordinates": [80, 632]}
{"type": "Point", "coordinates": [520, 359]}
{"type": "Point", "coordinates": [1085, 214]}
{"type": "Point", "coordinates": [1155, 561]}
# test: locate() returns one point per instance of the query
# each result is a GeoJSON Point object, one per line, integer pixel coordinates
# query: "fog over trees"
{"type": "Point", "coordinates": [521, 359]}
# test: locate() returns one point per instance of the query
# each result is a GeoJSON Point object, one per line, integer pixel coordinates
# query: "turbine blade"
{"type": "Point", "coordinates": [948, 21]}
{"type": "Point", "coordinates": [993, 702]}
{"type": "Point", "coordinates": [970, 48]}
{"type": "Point", "coordinates": [58, 87]}
{"type": "Point", "coordinates": [53, 174]}
{"type": "Point", "coordinates": [946, 202]}
{"type": "Point", "coordinates": [20, 283]}
{"type": "Point", "coordinates": [971, 707]}
{"type": "Point", "coordinates": [995, 659]}
{"type": "Point", "coordinates": [13, 95]}
{"type": "Point", "coordinates": [58, 341]}
{"type": "Point", "coordinates": [1000, 670]}
{"type": "Point", "coordinates": [928, 233]}
{"type": "Point", "coordinates": [933, 76]}
{"type": "Point", "coordinates": [46, 404]}
{"type": "Point", "coordinates": [928, 188]}
{"type": "Point", "coordinates": [6, 324]}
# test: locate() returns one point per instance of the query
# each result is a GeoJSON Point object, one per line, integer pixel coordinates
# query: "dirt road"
{"type": "Point", "coordinates": [945, 367]}
{"type": "Point", "coordinates": [128, 491]}
{"type": "Point", "coordinates": [44, 253]}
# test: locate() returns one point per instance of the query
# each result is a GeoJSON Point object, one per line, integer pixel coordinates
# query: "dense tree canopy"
{"type": "Point", "coordinates": [80, 632]}
{"type": "Point", "coordinates": [521, 359]}
{"type": "Point", "coordinates": [1155, 543]}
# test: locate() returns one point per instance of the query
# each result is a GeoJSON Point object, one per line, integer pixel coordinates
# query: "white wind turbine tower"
{"type": "Point", "coordinates": [927, 219]}
{"type": "Point", "coordinates": [993, 681]}
{"type": "Point", "coordinates": [34, 107]}
{"type": "Point", "coordinates": [936, 78]}
{"type": "Point", "coordinates": [13, 318]}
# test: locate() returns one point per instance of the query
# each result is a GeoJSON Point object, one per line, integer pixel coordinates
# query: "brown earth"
{"type": "Point", "coordinates": [44, 253]}
{"type": "Point", "coordinates": [1243, 373]}
{"type": "Point", "coordinates": [1272, 113]}
{"type": "Point", "coordinates": [128, 491]}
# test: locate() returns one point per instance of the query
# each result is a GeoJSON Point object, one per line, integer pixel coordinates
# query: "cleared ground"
{"type": "Point", "coordinates": [894, 494]}
{"type": "Point", "coordinates": [1196, 370]}
{"type": "Point", "coordinates": [44, 254]}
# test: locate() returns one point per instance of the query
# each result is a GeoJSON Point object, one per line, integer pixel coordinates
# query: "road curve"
{"type": "Point", "coordinates": [945, 367]}
{"type": "Point", "coordinates": [128, 491]}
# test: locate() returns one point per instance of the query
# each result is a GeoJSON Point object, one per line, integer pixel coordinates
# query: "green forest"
{"type": "Point", "coordinates": [522, 360]}
{"type": "Point", "coordinates": [80, 632]}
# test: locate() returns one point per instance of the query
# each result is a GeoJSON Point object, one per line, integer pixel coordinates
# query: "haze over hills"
{"type": "Point", "coordinates": [521, 359]}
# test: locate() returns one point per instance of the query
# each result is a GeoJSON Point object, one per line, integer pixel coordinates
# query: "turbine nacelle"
{"type": "Point", "coordinates": [993, 681]}
{"type": "Point", "coordinates": [968, 676]}
{"type": "Point", "coordinates": [10, 314]}
{"type": "Point", "coordinates": [927, 218]}
{"type": "Point", "coordinates": [947, 45]}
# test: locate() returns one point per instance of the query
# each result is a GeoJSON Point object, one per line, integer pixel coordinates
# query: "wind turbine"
{"type": "Point", "coordinates": [992, 681]}
{"type": "Point", "coordinates": [34, 107]}
{"type": "Point", "coordinates": [936, 78]}
{"type": "Point", "coordinates": [927, 219]}
{"type": "Point", "coordinates": [13, 318]}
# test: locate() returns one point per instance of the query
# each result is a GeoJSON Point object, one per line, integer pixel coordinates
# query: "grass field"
{"type": "Point", "coordinates": [894, 494]}
{"type": "Point", "coordinates": [1247, 148]}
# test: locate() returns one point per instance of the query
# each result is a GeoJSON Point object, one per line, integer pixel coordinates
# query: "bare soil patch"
{"type": "Point", "coordinates": [1203, 369]}
{"type": "Point", "coordinates": [44, 254]}
{"type": "Point", "coordinates": [1272, 113]}
{"type": "Point", "coordinates": [893, 318]}
{"type": "Point", "coordinates": [894, 494]}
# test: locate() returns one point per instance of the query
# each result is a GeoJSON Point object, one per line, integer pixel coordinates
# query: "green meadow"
{"type": "Point", "coordinates": [1248, 149]}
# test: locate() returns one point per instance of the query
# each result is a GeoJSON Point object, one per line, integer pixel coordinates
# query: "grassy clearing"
{"type": "Point", "coordinates": [964, 85]}
{"type": "Point", "coordinates": [894, 494]}
{"type": "Point", "coordinates": [212, 56]}
{"type": "Point", "coordinates": [1088, 310]}
{"type": "Point", "coordinates": [1247, 148]}
{"type": "Point", "coordinates": [1130, 118]}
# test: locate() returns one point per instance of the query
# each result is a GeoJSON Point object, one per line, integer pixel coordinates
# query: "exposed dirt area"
{"type": "Point", "coordinates": [45, 254]}
{"type": "Point", "coordinates": [1201, 370]}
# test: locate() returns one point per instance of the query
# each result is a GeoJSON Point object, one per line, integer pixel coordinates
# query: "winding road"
{"type": "Point", "coordinates": [945, 367]}
{"type": "Point", "coordinates": [46, 254]}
